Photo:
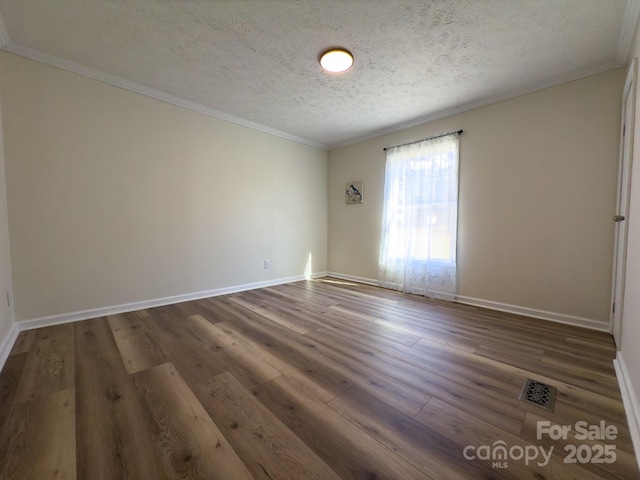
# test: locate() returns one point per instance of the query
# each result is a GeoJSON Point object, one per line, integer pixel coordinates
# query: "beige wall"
{"type": "Point", "coordinates": [115, 197]}
{"type": "Point", "coordinates": [537, 192]}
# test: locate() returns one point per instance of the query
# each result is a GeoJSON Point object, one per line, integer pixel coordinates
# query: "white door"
{"type": "Point", "coordinates": [620, 218]}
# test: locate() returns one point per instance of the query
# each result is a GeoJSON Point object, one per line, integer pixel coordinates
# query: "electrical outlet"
{"type": "Point", "coordinates": [267, 264]}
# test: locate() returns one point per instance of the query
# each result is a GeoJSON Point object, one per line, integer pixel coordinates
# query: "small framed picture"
{"type": "Point", "coordinates": [353, 192]}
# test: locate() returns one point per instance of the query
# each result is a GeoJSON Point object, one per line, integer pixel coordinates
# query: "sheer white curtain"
{"type": "Point", "coordinates": [419, 224]}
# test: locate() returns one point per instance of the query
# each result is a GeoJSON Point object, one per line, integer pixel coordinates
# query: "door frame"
{"type": "Point", "coordinates": [627, 125]}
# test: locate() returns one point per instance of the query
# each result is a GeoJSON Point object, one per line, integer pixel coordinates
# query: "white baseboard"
{"type": "Point", "coordinates": [352, 278]}
{"type": "Point", "coordinates": [6, 344]}
{"type": "Point", "coordinates": [129, 307]}
{"type": "Point", "coordinates": [504, 307]}
{"type": "Point", "coordinates": [630, 401]}
{"type": "Point", "coordinates": [158, 302]}
{"type": "Point", "coordinates": [535, 313]}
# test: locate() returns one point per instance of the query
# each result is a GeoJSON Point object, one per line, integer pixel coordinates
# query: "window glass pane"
{"type": "Point", "coordinates": [422, 205]}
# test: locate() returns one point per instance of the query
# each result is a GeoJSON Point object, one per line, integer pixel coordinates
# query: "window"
{"type": "Point", "coordinates": [419, 231]}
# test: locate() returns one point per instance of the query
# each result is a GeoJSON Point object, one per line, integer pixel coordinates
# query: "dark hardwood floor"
{"type": "Point", "coordinates": [324, 379]}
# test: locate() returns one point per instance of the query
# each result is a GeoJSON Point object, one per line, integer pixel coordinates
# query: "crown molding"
{"type": "Point", "coordinates": [555, 81]}
{"type": "Point", "coordinates": [78, 69]}
{"type": "Point", "coordinates": [629, 26]}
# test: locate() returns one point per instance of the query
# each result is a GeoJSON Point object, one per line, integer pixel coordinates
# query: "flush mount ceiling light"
{"type": "Point", "coordinates": [336, 60]}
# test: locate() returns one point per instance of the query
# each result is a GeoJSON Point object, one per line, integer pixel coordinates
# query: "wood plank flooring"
{"type": "Point", "coordinates": [322, 379]}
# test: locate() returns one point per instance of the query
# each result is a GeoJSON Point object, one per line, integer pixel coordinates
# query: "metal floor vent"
{"type": "Point", "coordinates": [538, 394]}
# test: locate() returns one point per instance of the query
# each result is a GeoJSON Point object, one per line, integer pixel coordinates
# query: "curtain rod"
{"type": "Point", "coordinates": [455, 132]}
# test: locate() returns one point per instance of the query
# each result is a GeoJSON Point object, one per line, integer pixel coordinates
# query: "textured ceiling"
{"type": "Point", "coordinates": [256, 61]}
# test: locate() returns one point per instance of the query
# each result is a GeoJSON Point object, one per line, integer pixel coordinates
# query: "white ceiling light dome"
{"type": "Point", "coordinates": [336, 60]}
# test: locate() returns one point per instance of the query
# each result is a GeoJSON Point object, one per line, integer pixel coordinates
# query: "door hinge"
{"type": "Point", "coordinates": [8, 300]}
{"type": "Point", "coordinates": [614, 308]}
